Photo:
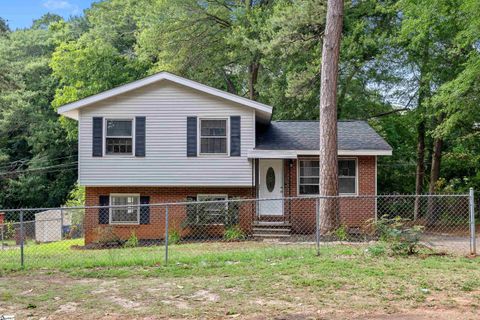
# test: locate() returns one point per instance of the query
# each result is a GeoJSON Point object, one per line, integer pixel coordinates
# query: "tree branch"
{"type": "Point", "coordinates": [378, 115]}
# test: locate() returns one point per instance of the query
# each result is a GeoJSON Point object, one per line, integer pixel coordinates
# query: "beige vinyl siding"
{"type": "Point", "coordinates": [166, 107]}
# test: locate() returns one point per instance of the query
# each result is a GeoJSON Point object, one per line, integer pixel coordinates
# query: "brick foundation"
{"type": "Point", "coordinates": [156, 228]}
{"type": "Point", "coordinates": [353, 212]}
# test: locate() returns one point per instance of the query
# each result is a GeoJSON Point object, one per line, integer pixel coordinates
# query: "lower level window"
{"type": "Point", "coordinates": [309, 177]}
{"type": "Point", "coordinates": [129, 212]}
{"type": "Point", "coordinates": [212, 213]}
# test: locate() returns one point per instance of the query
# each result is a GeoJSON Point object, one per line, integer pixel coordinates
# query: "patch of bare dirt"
{"type": "Point", "coordinates": [58, 296]}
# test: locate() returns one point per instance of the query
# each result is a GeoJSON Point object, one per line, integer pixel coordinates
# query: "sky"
{"type": "Point", "coordinates": [21, 13]}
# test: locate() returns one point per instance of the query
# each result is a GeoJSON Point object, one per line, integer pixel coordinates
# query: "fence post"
{"type": "Point", "coordinates": [61, 223]}
{"type": "Point", "coordinates": [317, 225]}
{"type": "Point", "coordinates": [473, 236]}
{"type": "Point", "coordinates": [22, 236]}
{"type": "Point", "coordinates": [1, 229]}
{"type": "Point", "coordinates": [166, 234]}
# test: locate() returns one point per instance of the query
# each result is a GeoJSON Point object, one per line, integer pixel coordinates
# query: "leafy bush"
{"type": "Point", "coordinates": [132, 242]}
{"type": "Point", "coordinates": [174, 237]}
{"type": "Point", "coordinates": [234, 233]}
{"type": "Point", "coordinates": [341, 233]}
{"type": "Point", "coordinates": [10, 232]}
{"type": "Point", "coordinates": [76, 197]}
{"type": "Point", "coordinates": [400, 237]}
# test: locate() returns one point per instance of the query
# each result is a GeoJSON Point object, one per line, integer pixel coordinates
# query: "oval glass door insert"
{"type": "Point", "coordinates": [270, 179]}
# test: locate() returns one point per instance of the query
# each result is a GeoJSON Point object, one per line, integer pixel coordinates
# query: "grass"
{"type": "Point", "coordinates": [262, 278]}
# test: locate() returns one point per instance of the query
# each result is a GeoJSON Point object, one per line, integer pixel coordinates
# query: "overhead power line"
{"type": "Point", "coordinates": [26, 160]}
{"type": "Point", "coordinates": [58, 166]}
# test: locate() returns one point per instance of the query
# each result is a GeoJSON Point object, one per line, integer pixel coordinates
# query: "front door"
{"type": "Point", "coordinates": [270, 187]}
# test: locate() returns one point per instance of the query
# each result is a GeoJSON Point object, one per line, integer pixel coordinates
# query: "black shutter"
{"type": "Point", "coordinates": [191, 208]}
{"type": "Point", "coordinates": [235, 140]}
{"type": "Point", "coordinates": [103, 217]}
{"type": "Point", "coordinates": [140, 136]}
{"type": "Point", "coordinates": [191, 136]}
{"type": "Point", "coordinates": [144, 211]}
{"type": "Point", "coordinates": [97, 137]}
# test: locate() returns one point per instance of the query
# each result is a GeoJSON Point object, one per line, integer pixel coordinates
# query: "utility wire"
{"type": "Point", "coordinates": [66, 165]}
{"type": "Point", "coordinates": [25, 160]}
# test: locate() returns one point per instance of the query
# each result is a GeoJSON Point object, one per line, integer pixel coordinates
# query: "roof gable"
{"type": "Point", "coordinates": [71, 110]}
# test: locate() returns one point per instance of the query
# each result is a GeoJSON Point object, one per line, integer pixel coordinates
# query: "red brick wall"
{"type": "Point", "coordinates": [156, 228]}
{"type": "Point", "coordinates": [353, 212]}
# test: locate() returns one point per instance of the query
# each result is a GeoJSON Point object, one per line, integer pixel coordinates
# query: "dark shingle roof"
{"type": "Point", "coordinates": [304, 135]}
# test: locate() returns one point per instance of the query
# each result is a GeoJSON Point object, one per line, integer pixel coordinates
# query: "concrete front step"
{"type": "Point", "coordinates": [271, 224]}
{"type": "Point", "coordinates": [270, 235]}
{"type": "Point", "coordinates": [269, 230]}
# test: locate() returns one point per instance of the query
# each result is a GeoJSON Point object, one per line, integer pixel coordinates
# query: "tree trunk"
{"type": "Point", "coordinates": [436, 159]}
{"type": "Point", "coordinates": [253, 69]}
{"type": "Point", "coordinates": [423, 94]}
{"type": "Point", "coordinates": [229, 83]}
{"type": "Point", "coordinates": [328, 165]}
{"type": "Point", "coordinates": [420, 172]}
{"type": "Point", "coordinates": [433, 212]}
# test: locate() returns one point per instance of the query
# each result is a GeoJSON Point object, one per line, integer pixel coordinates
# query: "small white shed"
{"type": "Point", "coordinates": [49, 225]}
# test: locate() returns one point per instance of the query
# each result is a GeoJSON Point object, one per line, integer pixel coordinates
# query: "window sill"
{"type": "Point", "coordinates": [127, 224]}
{"type": "Point", "coordinates": [206, 225]}
{"type": "Point", "coordinates": [316, 195]}
{"type": "Point", "coordinates": [219, 155]}
{"type": "Point", "coordinates": [120, 156]}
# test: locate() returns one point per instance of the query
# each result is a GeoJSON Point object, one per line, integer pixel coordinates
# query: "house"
{"type": "Point", "coordinates": [165, 138]}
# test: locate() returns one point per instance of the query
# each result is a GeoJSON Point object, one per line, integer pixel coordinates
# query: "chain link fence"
{"type": "Point", "coordinates": [152, 234]}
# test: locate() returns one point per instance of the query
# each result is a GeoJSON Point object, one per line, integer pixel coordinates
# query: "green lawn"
{"type": "Point", "coordinates": [220, 279]}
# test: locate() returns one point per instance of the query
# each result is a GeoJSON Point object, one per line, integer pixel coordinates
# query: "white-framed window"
{"type": "Point", "coordinates": [213, 213]}
{"type": "Point", "coordinates": [213, 136]}
{"type": "Point", "coordinates": [119, 136]}
{"type": "Point", "coordinates": [347, 176]}
{"type": "Point", "coordinates": [309, 176]}
{"type": "Point", "coordinates": [129, 212]}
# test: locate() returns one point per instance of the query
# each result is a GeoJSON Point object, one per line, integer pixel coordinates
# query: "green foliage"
{"type": "Point", "coordinates": [10, 230]}
{"type": "Point", "coordinates": [234, 233]}
{"type": "Point", "coordinates": [376, 250]}
{"type": "Point", "coordinates": [132, 241]}
{"type": "Point", "coordinates": [30, 135]}
{"type": "Point", "coordinates": [76, 197]}
{"type": "Point", "coordinates": [174, 237]}
{"type": "Point", "coordinates": [401, 237]}
{"type": "Point", "coordinates": [341, 233]}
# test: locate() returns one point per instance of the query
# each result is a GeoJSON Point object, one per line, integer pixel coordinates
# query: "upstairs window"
{"type": "Point", "coordinates": [119, 139]}
{"type": "Point", "coordinates": [129, 212]}
{"type": "Point", "coordinates": [213, 136]}
{"type": "Point", "coordinates": [309, 177]}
